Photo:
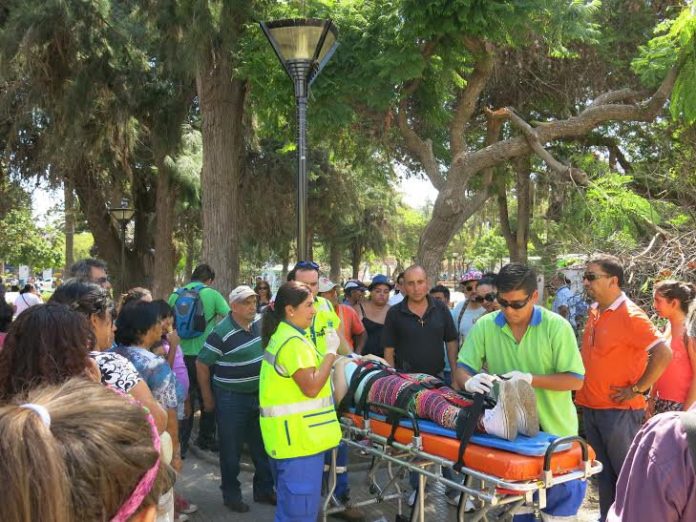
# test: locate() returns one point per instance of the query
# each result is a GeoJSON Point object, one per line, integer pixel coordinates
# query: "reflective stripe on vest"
{"type": "Point", "coordinates": [297, 407]}
{"type": "Point", "coordinates": [271, 359]}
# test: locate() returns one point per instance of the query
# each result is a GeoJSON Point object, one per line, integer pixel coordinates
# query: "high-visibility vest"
{"type": "Point", "coordinates": [292, 424]}
{"type": "Point", "coordinates": [324, 319]}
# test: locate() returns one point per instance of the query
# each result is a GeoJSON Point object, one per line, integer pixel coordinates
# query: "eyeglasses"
{"type": "Point", "coordinates": [515, 305]}
{"type": "Point", "coordinates": [469, 288]}
{"type": "Point", "coordinates": [102, 280]}
{"type": "Point", "coordinates": [488, 297]}
{"type": "Point", "coordinates": [307, 265]}
{"type": "Point", "coordinates": [590, 276]}
{"type": "Point", "coordinates": [264, 287]}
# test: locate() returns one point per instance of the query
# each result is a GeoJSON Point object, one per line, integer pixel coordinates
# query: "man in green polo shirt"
{"type": "Point", "coordinates": [525, 341]}
{"type": "Point", "coordinates": [214, 306]}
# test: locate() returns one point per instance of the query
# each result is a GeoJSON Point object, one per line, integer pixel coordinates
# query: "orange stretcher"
{"type": "Point", "coordinates": [504, 464]}
{"type": "Point", "coordinates": [497, 482]}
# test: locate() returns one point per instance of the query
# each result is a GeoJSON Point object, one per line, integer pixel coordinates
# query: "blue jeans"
{"type": "Point", "coordinates": [610, 432]}
{"type": "Point", "coordinates": [298, 488]}
{"type": "Point", "coordinates": [342, 491]}
{"type": "Point", "coordinates": [238, 422]}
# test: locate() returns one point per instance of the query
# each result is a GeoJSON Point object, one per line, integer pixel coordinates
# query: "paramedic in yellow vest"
{"type": "Point", "coordinates": [326, 319]}
{"type": "Point", "coordinates": [298, 418]}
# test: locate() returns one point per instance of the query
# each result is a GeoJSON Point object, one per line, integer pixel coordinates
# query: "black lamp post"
{"type": "Point", "coordinates": [123, 215]}
{"type": "Point", "coordinates": [303, 46]}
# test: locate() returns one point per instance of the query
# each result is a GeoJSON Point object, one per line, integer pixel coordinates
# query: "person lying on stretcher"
{"type": "Point", "coordinates": [514, 412]}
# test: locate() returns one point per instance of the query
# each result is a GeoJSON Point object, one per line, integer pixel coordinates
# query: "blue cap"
{"type": "Point", "coordinates": [380, 279]}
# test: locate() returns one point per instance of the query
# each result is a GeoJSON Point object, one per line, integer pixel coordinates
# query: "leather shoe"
{"type": "Point", "coordinates": [238, 506]}
{"type": "Point", "coordinates": [266, 498]}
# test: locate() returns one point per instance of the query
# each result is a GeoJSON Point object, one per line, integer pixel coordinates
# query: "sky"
{"type": "Point", "coordinates": [416, 193]}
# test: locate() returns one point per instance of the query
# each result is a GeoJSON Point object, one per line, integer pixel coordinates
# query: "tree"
{"type": "Point", "coordinates": [24, 243]}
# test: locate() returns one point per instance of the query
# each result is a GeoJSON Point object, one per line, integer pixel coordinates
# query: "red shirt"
{"type": "Point", "coordinates": [615, 353]}
{"type": "Point", "coordinates": [674, 384]}
{"type": "Point", "coordinates": [350, 323]}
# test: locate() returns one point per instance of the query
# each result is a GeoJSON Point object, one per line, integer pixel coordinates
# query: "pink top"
{"type": "Point", "coordinates": [2, 338]}
{"type": "Point", "coordinates": [675, 382]}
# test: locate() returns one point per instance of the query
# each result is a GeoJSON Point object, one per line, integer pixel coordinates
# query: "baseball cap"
{"type": "Point", "coordinates": [380, 279]}
{"type": "Point", "coordinates": [325, 284]}
{"type": "Point", "coordinates": [240, 293]}
{"type": "Point", "coordinates": [471, 275]}
{"type": "Point", "coordinates": [354, 285]}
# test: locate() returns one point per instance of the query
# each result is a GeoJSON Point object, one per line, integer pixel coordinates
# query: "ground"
{"type": "Point", "coordinates": [199, 482]}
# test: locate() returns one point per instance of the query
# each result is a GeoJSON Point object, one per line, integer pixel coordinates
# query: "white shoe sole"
{"type": "Point", "coordinates": [528, 424]}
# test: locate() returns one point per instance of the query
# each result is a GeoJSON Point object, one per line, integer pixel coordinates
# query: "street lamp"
{"type": "Point", "coordinates": [123, 215]}
{"type": "Point", "coordinates": [303, 46]}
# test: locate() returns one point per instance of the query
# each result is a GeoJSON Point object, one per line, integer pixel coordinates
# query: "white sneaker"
{"type": "Point", "coordinates": [501, 420]}
{"type": "Point", "coordinates": [527, 414]}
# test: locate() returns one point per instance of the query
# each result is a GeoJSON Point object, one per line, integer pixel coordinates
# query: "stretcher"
{"type": "Point", "coordinates": [501, 477]}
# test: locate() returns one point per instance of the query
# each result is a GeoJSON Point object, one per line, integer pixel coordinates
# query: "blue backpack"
{"type": "Point", "coordinates": [189, 315]}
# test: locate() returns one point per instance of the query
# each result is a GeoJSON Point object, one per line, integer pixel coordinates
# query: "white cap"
{"type": "Point", "coordinates": [326, 285]}
{"type": "Point", "coordinates": [240, 293]}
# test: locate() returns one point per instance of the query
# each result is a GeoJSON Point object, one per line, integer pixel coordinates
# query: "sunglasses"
{"type": "Point", "coordinates": [515, 305]}
{"type": "Point", "coordinates": [307, 265]}
{"type": "Point", "coordinates": [469, 288]}
{"type": "Point", "coordinates": [488, 297]}
{"type": "Point", "coordinates": [590, 276]}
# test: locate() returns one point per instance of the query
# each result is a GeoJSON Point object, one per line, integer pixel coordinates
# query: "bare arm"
{"type": "Point", "coordinates": [203, 376]}
{"type": "Point", "coordinates": [141, 392]}
{"type": "Point", "coordinates": [659, 357]}
{"type": "Point", "coordinates": [452, 354]}
{"type": "Point", "coordinates": [344, 348]}
{"type": "Point", "coordinates": [173, 339]}
{"type": "Point", "coordinates": [691, 352]}
{"type": "Point", "coordinates": [173, 430]}
{"type": "Point", "coordinates": [359, 342]}
{"type": "Point", "coordinates": [389, 355]}
{"type": "Point", "coordinates": [460, 376]}
{"type": "Point", "coordinates": [312, 380]}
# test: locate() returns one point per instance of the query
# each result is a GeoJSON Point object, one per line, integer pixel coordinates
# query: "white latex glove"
{"type": "Point", "coordinates": [333, 341]}
{"type": "Point", "coordinates": [480, 383]}
{"type": "Point", "coordinates": [527, 377]}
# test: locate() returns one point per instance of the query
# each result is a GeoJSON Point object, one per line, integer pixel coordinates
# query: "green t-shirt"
{"type": "Point", "coordinates": [213, 305]}
{"type": "Point", "coordinates": [548, 346]}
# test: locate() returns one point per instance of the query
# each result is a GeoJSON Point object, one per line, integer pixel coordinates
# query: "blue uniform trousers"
{"type": "Point", "coordinates": [298, 488]}
{"type": "Point", "coordinates": [562, 501]}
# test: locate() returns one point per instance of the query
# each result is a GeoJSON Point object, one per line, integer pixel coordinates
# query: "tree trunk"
{"type": "Point", "coordinates": [69, 212]}
{"type": "Point", "coordinates": [221, 98]}
{"type": "Point", "coordinates": [356, 259]}
{"type": "Point", "coordinates": [335, 252]}
{"type": "Point", "coordinates": [523, 168]}
{"type": "Point", "coordinates": [165, 253]}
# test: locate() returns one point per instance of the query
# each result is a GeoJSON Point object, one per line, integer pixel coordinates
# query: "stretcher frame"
{"type": "Point", "coordinates": [495, 498]}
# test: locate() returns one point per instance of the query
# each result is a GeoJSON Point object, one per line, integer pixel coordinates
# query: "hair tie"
{"type": "Point", "coordinates": [41, 411]}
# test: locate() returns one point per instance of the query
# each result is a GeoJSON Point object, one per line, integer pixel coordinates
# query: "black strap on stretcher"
{"type": "Point", "coordinates": [466, 424]}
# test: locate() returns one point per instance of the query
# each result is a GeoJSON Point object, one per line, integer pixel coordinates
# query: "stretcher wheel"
{"type": "Point", "coordinates": [373, 489]}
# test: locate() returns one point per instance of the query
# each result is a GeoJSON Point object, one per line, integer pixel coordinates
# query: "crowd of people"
{"type": "Point", "coordinates": [87, 384]}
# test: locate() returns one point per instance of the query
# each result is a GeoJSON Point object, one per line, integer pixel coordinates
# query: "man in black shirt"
{"type": "Point", "coordinates": [416, 327]}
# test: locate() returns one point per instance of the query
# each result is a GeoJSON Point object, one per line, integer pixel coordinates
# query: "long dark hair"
{"type": "Point", "coordinates": [682, 291]}
{"type": "Point", "coordinates": [46, 344]}
{"type": "Point", "coordinates": [292, 293]}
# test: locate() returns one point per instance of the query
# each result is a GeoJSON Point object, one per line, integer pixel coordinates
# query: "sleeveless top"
{"type": "Point", "coordinates": [373, 344]}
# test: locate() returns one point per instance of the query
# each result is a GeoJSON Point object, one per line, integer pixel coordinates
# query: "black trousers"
{"type": "Point", "coordinates": [207, 427]}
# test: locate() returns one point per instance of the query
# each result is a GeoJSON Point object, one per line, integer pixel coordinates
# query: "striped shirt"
{"type": "Point", "coordinates": [235, 355]}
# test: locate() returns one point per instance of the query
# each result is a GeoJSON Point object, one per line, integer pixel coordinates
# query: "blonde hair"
{"type": "Point", "coordinates": [83, 466]}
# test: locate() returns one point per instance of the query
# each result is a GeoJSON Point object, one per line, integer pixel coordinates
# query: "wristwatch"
{"type": "Point", "coordinates": [635, 390]}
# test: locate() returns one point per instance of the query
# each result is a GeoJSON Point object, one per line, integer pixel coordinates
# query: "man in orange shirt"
{"type": "Point", "coordinates": [623, 355]}
{"type": "Point", "coordinates": [351, 326]}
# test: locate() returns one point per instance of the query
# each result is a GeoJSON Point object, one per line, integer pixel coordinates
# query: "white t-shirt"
{"type": "Point", "coordinates": [24, 301]}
